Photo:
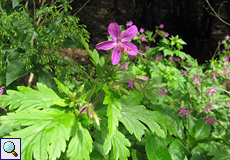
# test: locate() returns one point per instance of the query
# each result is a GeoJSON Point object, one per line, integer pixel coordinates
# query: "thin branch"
{"type": "Point", "coordinates": [216, 14]}
{"type": "Point", "coordinates": [81, 8]}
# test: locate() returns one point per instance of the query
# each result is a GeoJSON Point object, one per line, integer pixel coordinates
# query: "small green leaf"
{"type": "Point", "coordinates": [15, 3]}
{"type": "Point", "coordinates": [62, 87]}
{"type": "Point", "coordinates": [71, 42]}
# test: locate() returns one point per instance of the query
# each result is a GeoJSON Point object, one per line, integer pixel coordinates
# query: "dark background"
{"type": "Point", "coordinates": [190, 19]}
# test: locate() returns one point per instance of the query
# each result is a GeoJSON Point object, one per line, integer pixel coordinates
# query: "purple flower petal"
{"type": "Point", "coordinates": [114, 30]}
{"type": "Point", "coordinates": [116, 55]}
{"type": "Point", "coordinates": [106, 45]}
{"type": "Point", "coordinates": [130, 48]}
{"type": "Point", "coordinates": [1, 91]}
{"type": "Point", "coordinates": [129, 34]}
{"type": "Point", "coordinates": [131, 83]}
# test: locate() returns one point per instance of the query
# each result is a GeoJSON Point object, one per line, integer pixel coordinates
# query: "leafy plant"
{"type": "Point", "coordinates": [152, 103]}
{"type": "Point", "coordinates": [31, 40]}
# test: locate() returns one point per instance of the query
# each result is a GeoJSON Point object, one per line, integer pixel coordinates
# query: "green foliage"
{"type": "Point", "coordinates": [47, 131]}
{"type": "Point", "coordinates": [161, 105]}
{"type": "Point", "coordinates": [34, 41]}
{"type": "Point", "coordinates": [35, 99]}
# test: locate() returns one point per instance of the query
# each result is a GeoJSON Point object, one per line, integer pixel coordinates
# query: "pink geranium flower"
{"type": "Point", "coordinates": [224, 71]}
{"type": "Point", "coordinates": [226, 58]}
{"type": "Point", "coordinates": [167, 34]}
{"type": "Point", "coordinates": [214, 75]}
{"type": "Point", "coordinates": [142, 30]}
{"type": "Point", "coordinates": [159, 58]}
{"type": "Point", "coordinates": [163, 92]}
{"type": "Point", "coordinates": [131, 57]}
{"type": "Point", "coordinates": [131, 83]}
{"type": "Point", "coordinates": [196, 79]}
{"type": "Point", "coordinates": [123, 66]}
{"type": "Point", "coordinates": [171, 58]}
{"type": "Point", "coordinates": [161, 26]}
{"type": "Point", "coordinates": [146, 47]}
{"type": "Point", "coordinates": [120, 42]}
{"type": "Point", "coordinates": [208, 108]}
{"type": "Point", "coordinates": [184, 73]}
{"type": "Point", "coordinates": [142, 38]}
{"type": "Point", "coordinates": [184, 111]}
{"type": "Point", "coordinates": [129, 23]}
{"type": "Point", "coordinates": [212, 90]}
{"type": "Point", "coordinates": [211, 121]}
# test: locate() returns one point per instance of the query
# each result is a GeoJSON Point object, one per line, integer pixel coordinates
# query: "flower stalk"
{"type": "Point", "coordinates": [95, 84]}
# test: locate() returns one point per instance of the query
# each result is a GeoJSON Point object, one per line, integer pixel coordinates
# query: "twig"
{"type": "Point", "coordinates": [81, 8]}
{"type": "Point", "coordinates": [217, 14]}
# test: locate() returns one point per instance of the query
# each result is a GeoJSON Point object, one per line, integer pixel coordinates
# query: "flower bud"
{"type": "Point", "coordinates": [138, 87]}
{"type": "Point", "coordinates": [124, 91]}
{"type": "Point", "coordinates": [117, 91]}
{"type": "Point", "coordinates": [96, 119]}
{"type": "Point", "coordinates": [80, 90]}
{"type": "Point", "coordinates": [118, 76]}
{"type": "Point", "coordinates": [83, 109]}
{"type": "Point", "coordinates": [117, 68]}
{"type": "Point", "coordinates": [141, 78]}
{"type": "Point", "coordinates": [90, 111]}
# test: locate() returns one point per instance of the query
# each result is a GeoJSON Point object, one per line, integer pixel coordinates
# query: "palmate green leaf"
{"type": "Point", "coordinates": [155, 148]}
{"type": "Point", "coordinates": [47, 131]}
{"type": "Point", "coordinates": [120, 144]}
{"type": "Point", "coordinates": [26, 97]}
{"type": "Point", "coordinates": [80, 146]}
{"type": "Point", "coordinates": [133, 114]}
{"type": "Point", "coordinates": [114, 147]}
{"type": "Point", "coordinates": [113, 110]}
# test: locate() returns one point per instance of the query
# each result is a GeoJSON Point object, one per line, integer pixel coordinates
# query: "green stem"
{"type": "Point", "coordinates": [123, 80]}
{"type": "Point", "coordinates": [95, 84]}
{"type": "Point", "coordinates": [98, 98]}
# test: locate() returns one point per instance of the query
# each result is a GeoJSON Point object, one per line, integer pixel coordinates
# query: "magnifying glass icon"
{"type": "Point", "coordinates": [9, 147]}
